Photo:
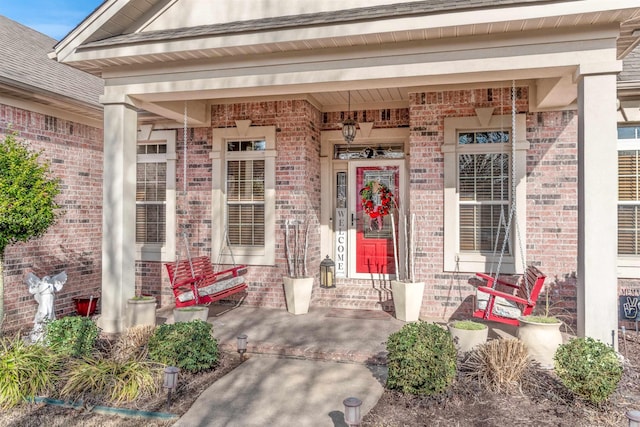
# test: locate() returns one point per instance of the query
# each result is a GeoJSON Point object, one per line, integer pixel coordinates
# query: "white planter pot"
{"type": "Point", "coordinates": [407, 300]}
{"type": "Point", "coordinates": [188, 314]}
{"type": "Point", "coordinates": [297, 292]}
{"type": "Point", "coordinates": [541, 339]}
{"type": "Point", "coordinates": [467, 339]}
{"type": "Point", "coordinates": [141, 311]}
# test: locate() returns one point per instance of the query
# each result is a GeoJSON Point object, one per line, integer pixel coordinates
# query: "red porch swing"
{"type": "Point", "coordinates": [193, 280]}
{"type": "Point", "coordinates": [519, 295]}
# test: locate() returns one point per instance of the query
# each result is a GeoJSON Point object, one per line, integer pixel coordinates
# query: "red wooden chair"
{"type": "Point", "coordinates": [504, 307]}
{"type": "Point", "coordinates": [194, 282]}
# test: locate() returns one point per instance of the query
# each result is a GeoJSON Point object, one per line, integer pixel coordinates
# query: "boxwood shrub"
{"type": "Point", "coordinates": [421, 359]}
{"type": "Point", "coordinates": [189, 346]}
{"type": "Point", "coordinates": [589, 368]}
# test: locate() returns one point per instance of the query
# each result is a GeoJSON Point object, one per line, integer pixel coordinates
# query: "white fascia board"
{"type": "Point", "coordinates": [66, 47]}
{"type": "Point", "coordinates": [353, 29]}
{"type": "Point", "coordinates": [583, 38]}
{"type": "Point", "coordinates": [261, 82]}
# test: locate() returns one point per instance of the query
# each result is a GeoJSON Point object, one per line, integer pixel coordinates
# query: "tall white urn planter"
{"type": "Point", "coordinates": [407, 299]}
{"type": "Point", "coordinates": [141, 311]}
{"type": "Point", "coordinates": [297, 291]}
{"type": "Point", "coordinates": [188, 314]}
{"type": "Point", "coordinates": [542, 339]}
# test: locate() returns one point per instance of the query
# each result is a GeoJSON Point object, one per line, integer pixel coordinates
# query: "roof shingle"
{"type": "Point", "coordinates": [25, 63]}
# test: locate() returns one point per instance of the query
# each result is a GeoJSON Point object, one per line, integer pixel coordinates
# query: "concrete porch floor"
{"type": "Point", "coordinates": [330, 334]}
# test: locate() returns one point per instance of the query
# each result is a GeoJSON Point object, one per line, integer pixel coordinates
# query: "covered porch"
{"type": "Point", "coordinates": [416, 77]}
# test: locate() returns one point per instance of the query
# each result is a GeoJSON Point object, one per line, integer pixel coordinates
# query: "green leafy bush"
{"type": "Point", "coordinates": [25, 370]}
{"type": "Point", "coordinates": [187, 345]}
{"type": "Point", "coordinates": [111, 380]}
{"type": "Point", "coordinates": [73, 336]}
{"type": "Point", "coordinates": [589, 368]}
{"type": "Point", "coordinates": [421, 360]}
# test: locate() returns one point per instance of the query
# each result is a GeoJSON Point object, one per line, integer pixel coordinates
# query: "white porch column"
{"type": "Point", "coordinates": [118, 214]}
{"type": "Point", "coordinates": [597, 208]}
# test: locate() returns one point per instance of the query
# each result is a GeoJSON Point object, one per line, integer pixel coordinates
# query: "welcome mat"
{"type": "Point", "coordinates": [359, 314]}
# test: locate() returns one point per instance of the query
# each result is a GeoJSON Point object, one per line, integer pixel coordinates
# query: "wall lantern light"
{"type": "Point", "coordinates": [327, 273]}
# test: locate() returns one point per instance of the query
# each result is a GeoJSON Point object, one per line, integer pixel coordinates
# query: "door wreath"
{"type": "Point", "coordinates": [377, 201]}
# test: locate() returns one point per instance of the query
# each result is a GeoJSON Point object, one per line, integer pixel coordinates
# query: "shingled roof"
{"type": "Point", "coordinates": [631, 67]}
{"type": "Point", "coordinates": [311, 19]}
{"type": "Point", "coordinates": [25, 65]}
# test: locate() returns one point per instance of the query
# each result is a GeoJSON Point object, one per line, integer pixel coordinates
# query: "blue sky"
{"type": "Point", "coordinates": [54, 18]}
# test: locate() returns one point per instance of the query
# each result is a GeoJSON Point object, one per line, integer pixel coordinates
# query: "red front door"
{"type": "Point", "coordinates": [376, 195]}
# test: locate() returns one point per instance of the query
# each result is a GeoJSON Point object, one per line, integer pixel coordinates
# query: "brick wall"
{"type": "Point", "coordinates": [73, 244]}
{"type": "Point", "coordinates": [551, 194]}
{"type": "Point", "coordinates": [297, 192]}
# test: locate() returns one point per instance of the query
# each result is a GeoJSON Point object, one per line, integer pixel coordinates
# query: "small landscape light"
{"type": "Point", "coordinates": [634, 418]}
{"type": "Point", "coordinates": [242, 345]}
{"type": "Point", "coordinates": [352, 414]}
{"type": "Point", "coordinates": [170, 381]}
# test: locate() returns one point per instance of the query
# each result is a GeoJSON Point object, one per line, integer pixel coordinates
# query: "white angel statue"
{"type": "Point", "coordinates": [44, 290]}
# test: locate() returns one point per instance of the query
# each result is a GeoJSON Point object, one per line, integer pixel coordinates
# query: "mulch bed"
{"type": "Point", "coordinates": [540, 401]}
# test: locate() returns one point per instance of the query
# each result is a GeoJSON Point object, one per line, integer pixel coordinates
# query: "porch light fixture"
{"type": "Point", "coordinates": [352, 415]}
{"type": "Point", "coordinates": [634, 418]}
{"type": "Point", "coordinates": [349, 125]}
{"type": "Point", "coordinates": [170, 381]}
{"type": "Point", "coordinates": [242, 345]}
{"type": "Point", "coordinates": [327, 273]}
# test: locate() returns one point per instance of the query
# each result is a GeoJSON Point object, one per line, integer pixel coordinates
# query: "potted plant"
{"type": "Point", "coordinates": [86, 306]}
{"type": "Point", "coordinates": [194, 312]}
{"type": "Point", "coordinates": [467, 334]}
{"type": "Point", "coordinates": [540, 332]}
{"type": "Point", "coordinates": [141, 310]}
{"type": "Point", "coordinates": [407, 293]}
{"type": "Point", "coordinates": [297, 285]}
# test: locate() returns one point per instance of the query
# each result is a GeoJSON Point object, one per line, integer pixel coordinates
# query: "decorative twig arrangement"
{"type": "Point", "coordinates": [410, 248]}
{"type": "Point", "coordinates": [296, 243]}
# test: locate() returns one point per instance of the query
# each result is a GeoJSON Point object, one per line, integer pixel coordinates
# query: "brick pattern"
{"type": "Point", "coordinates": [551, 195]}
{"type": "Point", "coordinates": [74, 243]}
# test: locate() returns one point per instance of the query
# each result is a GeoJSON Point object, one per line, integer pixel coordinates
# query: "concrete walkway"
{"type": "Point", "coordinates": [299, 368]}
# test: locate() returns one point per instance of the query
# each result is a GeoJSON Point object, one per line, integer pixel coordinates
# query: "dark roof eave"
{"type": "Point", "coordinates": [26, 90]}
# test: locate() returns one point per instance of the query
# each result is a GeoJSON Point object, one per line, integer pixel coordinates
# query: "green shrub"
{"type": "Point", "coordinates": [73, 336]}
{"type": "Point", "coordinates": [25, 370]}
{"type": "Point", "coordinates": [589, 368]}
{"type": "Point", "coordinates": [187, 345]}
{"type": "Point", "coordinates": [421, 360]}
{"type": "Point", "coordinates": [111, 380]}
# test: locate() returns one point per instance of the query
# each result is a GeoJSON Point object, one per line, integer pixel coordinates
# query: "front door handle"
{"type": "Point", "coordinates": [353, 220]}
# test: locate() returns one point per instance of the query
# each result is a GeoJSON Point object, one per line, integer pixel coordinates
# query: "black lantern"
{"type": "Point", "coordinates": [349, 126]}
{"type": "Point", "coordinates": [327, 273]}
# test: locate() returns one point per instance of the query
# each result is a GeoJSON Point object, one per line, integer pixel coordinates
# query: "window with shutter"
{"type": "Point", "coordinates": [243, 209]}
{"type": "Point", "coordinates": [477, 168]}
{"type": "Point", "coordinates": [155, 196]}
{"type": "Point", "coordinates": [629, 201]}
